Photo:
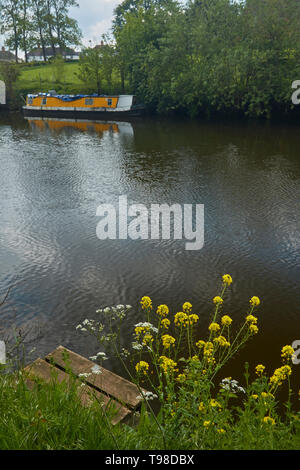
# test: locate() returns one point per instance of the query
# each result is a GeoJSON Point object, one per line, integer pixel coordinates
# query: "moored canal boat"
{"type": "Point", "coordinates": [81, 106]}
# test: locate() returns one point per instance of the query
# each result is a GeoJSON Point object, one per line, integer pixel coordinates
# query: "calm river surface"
{"type": "Point", "coordinates": [53, 176]}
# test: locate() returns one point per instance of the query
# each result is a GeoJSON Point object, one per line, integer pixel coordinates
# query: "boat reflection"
{"type": "Point", "coordinates": [64, 125]}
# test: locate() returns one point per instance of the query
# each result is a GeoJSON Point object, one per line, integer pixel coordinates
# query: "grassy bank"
{"type": "Point", "coordinates": [45, 77]}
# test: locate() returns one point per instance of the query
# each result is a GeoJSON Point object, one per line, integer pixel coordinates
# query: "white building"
{"type": "Point", "coordinates": [37, 55]}
{"type": "Point", "coordinates": [2, 93]}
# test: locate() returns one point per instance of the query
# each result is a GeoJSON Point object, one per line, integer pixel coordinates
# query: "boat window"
{"type": "Point", "coordinates": [109, 102]}
{"type": "Point", "coordinates": [44, 101]}
{"type": "Point", "coordinates": [89, 101]}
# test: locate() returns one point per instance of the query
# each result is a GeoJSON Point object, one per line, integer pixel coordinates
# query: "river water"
{"type": "Point", "coordinates": [54, 175]}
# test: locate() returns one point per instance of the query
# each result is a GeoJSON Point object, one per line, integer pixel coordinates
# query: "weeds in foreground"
{"type": "Point", "coordinates": [195, 412]}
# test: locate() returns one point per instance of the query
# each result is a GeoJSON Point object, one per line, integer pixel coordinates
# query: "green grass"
{"type": "Point", "coordinates": [51, 417]}
{"type": "Point", "coordinates": [42, 78]}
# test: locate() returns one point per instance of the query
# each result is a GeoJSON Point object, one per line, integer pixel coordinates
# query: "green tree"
{"type": "Point", "coordinates": [10, 21]}
{"type": "Point", "coordinates": [90, 68]}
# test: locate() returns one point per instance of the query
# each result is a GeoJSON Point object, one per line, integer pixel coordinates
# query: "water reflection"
{"type": "Point", "coordinates": [63, 125]}
{"type": "Point", "coordinates": [54, 175]}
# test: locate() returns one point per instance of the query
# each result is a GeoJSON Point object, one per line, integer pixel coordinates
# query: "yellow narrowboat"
{"type": "Point", "coordinates": [81, 106]}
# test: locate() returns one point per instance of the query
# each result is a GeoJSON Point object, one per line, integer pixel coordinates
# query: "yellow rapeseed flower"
{"type": "Point", "coordinates": [217, 300]}
{"type": "Point", "coordinates": [227, 279]}
{"type": "Point", "coordinates": [165, 323]}
{"type": "Point", "coordinates": [193, 318]}
{"type": "Point", "coordinates": [251, 319]}
{"type": "Point", "coordinates": [167, 364]}
{"type": "Point", "coordinates": [214, 327]}
{"type": "Point", "coordinates": [187, 307]}
{"type": "Point", "coordinates": [142, 367]}
{"type": "Point", "coordinates": [215, 404]}
{"type": "Point", "coordinates": [146, 303]}
{"type": "Point", "coordinates": [226, 320]}
{"type": "Point", "coordinates": [181, 319]}
{"type": "Point", "coordinates": [181, 378]}
{"type": "Point", "coordinates": [162, 310]}
{"type": "Point", "coordinates": [280, 375]}
{"type": "Point", "coordinates": [259, 369]}
{"type": "Point", "coordinates": [268, 420]}
{"type": "Point", "coordinates": [254, 301]}
{"type": "Point", "coordinates": [253, 329]}
{"type": "Point", "coordinates": [287, 352]}
{"type": "Point", "coordinates": [201, 407]}
{"type": "Point", "coordinates": [221, 341]}
{"type": "Point", "coordinates": [200, 344]}
{"type": "Point", "coordinates": [168, 341]}
{"type": "Point", "coordinates": [148, 339]}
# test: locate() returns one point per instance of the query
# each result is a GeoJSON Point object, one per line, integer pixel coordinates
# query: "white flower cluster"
{"type": "Point", "coordinates": [231, 385]}
{"type": "Point", "coordinates": [100, 355]}
{"type": "Point", "coordinates": [119, 311]}
{"type": "Point", "coordinates": [91, 325]}
{"type": "Point", "coordinates": [147, 396]}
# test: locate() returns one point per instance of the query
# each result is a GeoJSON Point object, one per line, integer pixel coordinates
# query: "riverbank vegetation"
{"type": "Point", "coordinates": [189, 403]}
{"type": "Point", "coordinates": [198, 58]}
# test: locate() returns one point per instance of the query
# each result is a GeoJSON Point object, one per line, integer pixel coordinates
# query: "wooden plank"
{"type": "Point", "coordinates": [43, 370]}
{"type": "Point", "coordinates": [115, 386]}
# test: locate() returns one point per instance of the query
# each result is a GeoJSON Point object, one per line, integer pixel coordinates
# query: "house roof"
{"type": "Point", "coordinates": [38, 52]}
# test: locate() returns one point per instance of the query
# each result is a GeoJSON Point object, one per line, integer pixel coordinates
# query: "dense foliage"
{"type": "Point", "coordinates": [210, 56]}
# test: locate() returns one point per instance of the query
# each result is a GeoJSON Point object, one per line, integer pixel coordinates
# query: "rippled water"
{"type": "Point", "coordinates": [54, 175]}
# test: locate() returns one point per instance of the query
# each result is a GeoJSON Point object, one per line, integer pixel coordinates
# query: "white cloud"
{"type": "Point", "coordinates": [94, 18]}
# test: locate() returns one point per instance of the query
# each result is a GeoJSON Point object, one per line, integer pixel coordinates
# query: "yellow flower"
{"type": "Point", "coordinates": [181, 319]}
{"type": "Point", "coordinates": [148, 339]}
{"type": "Point", "coordinates": [181, 378]}
{"type": "Point", "coordinates": [267, 395]}
{"type": "Point", "coordinates": [221, 341]}
{"type": "Point", "coordinates": [226, 320]}
{"type": "Point", "coordinates": [268, 420]}
{"type": "Point", "coordinates": [142, 367]}
{"type": "Point", "coordinates": [140, 330]}
{"type": "Point", "coordinates": [254, 301]}
{"type": "Point", "coordinates": [259, 369]}
{"type": "Point", "coordinates": [221, 431]}
{"type": "Point", "coordinates": [217, 300]}
{"type": "Point", "coordinates": [214, 327]}
{"type": "Point", "coordinates": [215, 404]}
{"type": "Point", "coordinates": [200, 344]}
{"type": "Point", "coordinates": [251, 319]}
{"type": "Point", "coordinates": [280, 375]}
{"type": "Point", "coordinates": [206, 424]}
{"type": "Point", "coordinates": [208, 349]}
{"type": "Point", "coordinates": [165, 323]}
{"type": "Point", "coordinates": [193, 318]}
{"type": "Point", "coordinates": [201, 407]}
{"type": "Point", "coordinates": [146, 303]}
{"type": "Point", "coordinates": [187, 307]}
{"type": "Point", "coordinates": [287, 352]}
{"type": "Point", "coordinates": [253, 329]}
{"type": "Point", "coordinates": [254, 396]}
{"type": "Point", "coordinates": [162, 310]}
{"type": "Point", "coordinates": [167, 341]}
{"type": "Point", "coordinates": [167, 364]}
{"type": "Point", "coordinates": [227, 279]}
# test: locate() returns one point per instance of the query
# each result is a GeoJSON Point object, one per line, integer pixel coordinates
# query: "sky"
{"type": "Point", "coordinates": [94, 18]}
